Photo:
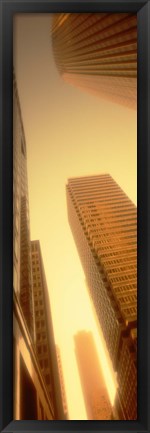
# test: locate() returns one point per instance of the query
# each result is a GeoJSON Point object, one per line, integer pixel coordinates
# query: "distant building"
{"type": "Point", "coordinates": [104, 225]}
{"type": "Point", "coordinates": [43, 348]}
{"type": "Point", "coordinates": [36, 392]}
{"type": "Point", "coordinates": [97, 402]}
{"type": "Point", "coordinates": [62, 384]}
{"type": "Point", "coordinates": [97, 52]}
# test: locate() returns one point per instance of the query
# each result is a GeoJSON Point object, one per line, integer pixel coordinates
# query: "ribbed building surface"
{"type": "Point", "coordinates": [104, 225]}
{"type": "Point", "coordinates": [98, 52]}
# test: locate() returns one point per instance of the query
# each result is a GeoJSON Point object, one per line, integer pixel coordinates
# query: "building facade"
{"type": "Point", "coordinates": [126, 396]}
{"type": "Point", "coordinates": [41, 324]}
{"type": "Point", "coordinates": [104, 225]}
{"type": "Point", "coordinates": [36, 392]}
{"type": "Point", "coordinates": [96, 399]}
{"type": "Point", "coordinates": [22, 272]}
{"type": "Point", "coordinates": [97, 52]}
{"type": "Point", "coordinates": [62, 384]}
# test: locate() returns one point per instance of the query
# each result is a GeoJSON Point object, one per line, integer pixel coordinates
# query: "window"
{"type": "Point", "coordinates": [47, 378]}
{"type": "Point", "coordinates": [37, 314]}
{"type": "Point", "coordinates": [44, 348]}
{"type": "Point", "coordinates": [46, 363]}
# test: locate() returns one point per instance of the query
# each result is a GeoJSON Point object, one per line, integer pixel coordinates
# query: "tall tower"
{"type": "Point", "coordinates": [103, 222]}
{"type": "Point", "coordinates": [36, 391]}
{"type": "Point", "coordinates": [43, 349]}
{"type": "Point", "coordinates": [97, 52]}
{"type": "Point", "coordinates": [62, 384]}
{"type": "Point", "coordinates": [22, 281]}
{"type": "Point", "coordinates": [94, 390]}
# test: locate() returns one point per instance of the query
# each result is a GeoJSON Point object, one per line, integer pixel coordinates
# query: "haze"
{"type": "Point", "coordinates": [68, 133]}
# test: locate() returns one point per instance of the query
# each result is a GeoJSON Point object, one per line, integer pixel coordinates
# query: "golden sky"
{"type": "Point", "coordinates": [68, 133]}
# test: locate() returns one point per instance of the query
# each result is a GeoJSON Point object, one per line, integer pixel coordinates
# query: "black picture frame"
{"type": "Point", "coordinates": [7, 9]}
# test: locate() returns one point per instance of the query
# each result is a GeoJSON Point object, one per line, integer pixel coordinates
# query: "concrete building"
{"type": "Point", "coordinates": [126, 397]}
{"type": "Point", "coordinates": [97, 52]}
{"type": "Point", "coordinates": [95, 395]}
{"type": "Point", "coordinates": [104, 225]}
{"type": "Point", "coordinates": [62, 384]}
{"type": "Point", "coordinates": [42, 343]}
{"type": "Point", "coordinates": [22, 273]}
{"type": "Point", "coordinates": [36, 391]}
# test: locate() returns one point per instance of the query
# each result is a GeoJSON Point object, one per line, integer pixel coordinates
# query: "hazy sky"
{"type": "Point", "coordinates": [68, 133]}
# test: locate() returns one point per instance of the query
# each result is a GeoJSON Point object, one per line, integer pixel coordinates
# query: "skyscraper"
{"type": "Point", "coordinates": [126, 396]}
{"type": "Point", "coordinates": [103, 222]}
{"type": "Point", "coordinates": [43, 348]}
{"type": "Point", "coordinates": [62, 384]}
{"type": "Point", "coordinates": [36, 391]}
{"type": "Point", "coordinates": [97, 52]}
{"type": "Point", "coordinates": [97, 403]}
{"type": "Point", "coordinates": [22, 274]}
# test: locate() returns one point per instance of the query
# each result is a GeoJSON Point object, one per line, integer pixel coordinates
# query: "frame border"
{"type": "Point", "coordinates": [7, 9]}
